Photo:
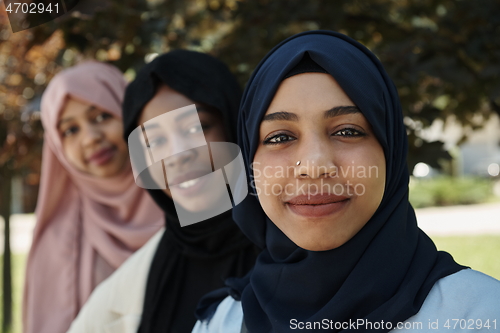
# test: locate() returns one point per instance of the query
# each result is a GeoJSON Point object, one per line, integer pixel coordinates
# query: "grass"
{"type": "Point", "coordinates": [18, 266]}
{"type": "Point", "coordinates": [478, 252]}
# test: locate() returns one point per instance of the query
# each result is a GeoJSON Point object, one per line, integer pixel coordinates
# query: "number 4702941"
{"type": "Point", "coordinates": [31, 8]}
{"type": "Point", "coordinates": [470, 324]}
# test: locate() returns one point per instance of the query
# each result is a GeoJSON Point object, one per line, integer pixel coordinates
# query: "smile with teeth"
{"type": "Point", "coordinates": [189, 183]}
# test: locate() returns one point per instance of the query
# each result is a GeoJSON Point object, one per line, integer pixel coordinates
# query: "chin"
{"type": "Point", "coordinates": [102, 173]}
{"type": "Point", "coordinates": [107, 171]}
{"type": "Point", "coordinates": [318, 248]}
{"type": "Point", "coordinates": [195, 206]}
{"type": "Point", "coordinates": [192, 209]}
{"type": "Point", "coordinates": [317, 242]}
{"type": "Point", "coordinates": [315, 246]}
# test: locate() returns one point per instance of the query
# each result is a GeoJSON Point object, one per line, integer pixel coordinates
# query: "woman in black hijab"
{"type": "Point", "coordinates": [322, 127]}
{"type": "Point", "coordinates": [195, 259]}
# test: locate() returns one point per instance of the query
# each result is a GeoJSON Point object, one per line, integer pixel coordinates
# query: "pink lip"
{"type": "Point", "coordinates": [102, 156]}
{"type": "Point", "coordinates": [317, 205]}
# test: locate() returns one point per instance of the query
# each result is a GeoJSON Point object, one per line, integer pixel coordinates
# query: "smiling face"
{"type": "Point", "coordinates": [175, 136]}
{"type": "Point", "coordinates": [92, 139]}
{"type": "Point", "coordinates": [325, 200]}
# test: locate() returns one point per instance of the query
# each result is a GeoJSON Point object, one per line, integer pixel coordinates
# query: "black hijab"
{"type": "Point", "coordinates": [387, 269]}
{"type": "Point", "coordinates": [192, 260]}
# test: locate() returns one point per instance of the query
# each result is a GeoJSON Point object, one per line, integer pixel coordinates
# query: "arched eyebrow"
{"type": "Point", "coordinates": [189, 113]}
{"type": "Point", "coordinates": [87, 111]}
{"type": "Point", "coordinates": [341, 110]}
{"type": "Point", "coordinates": [282, 115]}
{"type": "Point", "coordinates": [333, 112]}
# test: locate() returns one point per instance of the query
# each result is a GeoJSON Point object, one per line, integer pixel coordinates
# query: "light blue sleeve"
{"type": "Point", "coordinates": [467, 301]}
{"type": "Point", "coordinates": [227, 319]}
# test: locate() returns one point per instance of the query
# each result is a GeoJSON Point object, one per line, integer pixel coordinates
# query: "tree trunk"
{"type": "Point", "coordinates": [5, 204]}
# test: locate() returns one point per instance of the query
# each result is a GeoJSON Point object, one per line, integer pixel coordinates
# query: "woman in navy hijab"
{"type": "Point", "coordinates": [321, 131]}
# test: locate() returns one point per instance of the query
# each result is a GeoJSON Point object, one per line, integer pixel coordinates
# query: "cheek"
{"type": "Point", "coordinates": [263, 173]}
{"type": "Point", "coordinates": [376, 166]}
{"type": "Point", "coordinates": [369, 175]}
{"type": "Point", "coordinates": [270, 180]}
{"type": "Point", "coordinates": [73, 152]}
{"type": "Point", "coordinates": [114, 132]}
{"type": "Point", "coordinates": [363, 162]}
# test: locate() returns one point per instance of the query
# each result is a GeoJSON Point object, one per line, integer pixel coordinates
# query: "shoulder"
{"type": "Point", "coordinates": [227, 319]}
{"type": "Point", "coordinates": [468, 295]}
{"type": "Point", "coordinates": [467, 298]}
{"type": "Point", "coordinates": [465, 292]}
{"type": "Point", "coordinates": [136, 267]}
{"type": "Point", "coordinates": [115, 305]}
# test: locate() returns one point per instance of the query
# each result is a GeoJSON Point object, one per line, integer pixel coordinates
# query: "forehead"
{"type": "Point", "coordinates": [307, 92]}
{"type": "Point", "coordinates": [165, 100]}
{"type": "Point", "coordinates": [74, 108]}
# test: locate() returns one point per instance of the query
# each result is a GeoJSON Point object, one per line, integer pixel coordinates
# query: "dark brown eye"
{"type": "Point", "coordinates": [157, 141]}
{"type": "Point", "coordinates": [69, 131]}
{"type": "Point", "coordinates": [349, 132]}
{"type": "Point", "coordinates": [278, 138]}
{"type": "Point", "coordinates": [102, 116]}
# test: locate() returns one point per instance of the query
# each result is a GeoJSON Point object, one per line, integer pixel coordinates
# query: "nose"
{"type": "Point", "coordinates": [181, 158]}
{"type": "Point", "coordinates": [182, 152]}
{"type": "Point", "coordinates": [317, 158]}
{"type": "Point", "coordinates": [91, 135]}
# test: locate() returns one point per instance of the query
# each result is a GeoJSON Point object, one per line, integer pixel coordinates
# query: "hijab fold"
{"type": "Point", "coordinates": [192, 260]}
{"type": "Point", "coordinates": [387, 269]}
{"type": "Point", "coordinates": [86, 226]}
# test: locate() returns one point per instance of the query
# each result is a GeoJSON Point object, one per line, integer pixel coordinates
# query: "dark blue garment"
{"type": "Point", "coordinates": [387, 269]}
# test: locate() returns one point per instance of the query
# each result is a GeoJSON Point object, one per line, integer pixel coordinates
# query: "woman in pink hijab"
{"type": "Point", "coordinates": [90, 214]}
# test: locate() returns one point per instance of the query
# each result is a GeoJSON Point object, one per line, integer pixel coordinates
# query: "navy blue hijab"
{"type": "Point", "coordinates": [387, 269]}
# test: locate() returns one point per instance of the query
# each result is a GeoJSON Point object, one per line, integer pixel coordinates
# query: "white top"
{"type": "Point", "coordinates": [467, 301]}
{"type": "Point", "coordinates": [115, 306]}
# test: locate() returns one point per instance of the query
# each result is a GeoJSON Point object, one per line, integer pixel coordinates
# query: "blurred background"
{"type": "Point", "coordinates": [443, 55]}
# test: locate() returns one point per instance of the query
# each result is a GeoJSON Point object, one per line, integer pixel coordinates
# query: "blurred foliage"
{"type": "Point", "coordinates": [443, 55]}
{"type": "Point", "coordinates": [25, 69]}
{"type": "Point", "coordinates": [448, 191]}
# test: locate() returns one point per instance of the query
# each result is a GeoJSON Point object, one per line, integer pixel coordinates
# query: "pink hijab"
{"type": "Point", "coordinates": [86, 226]}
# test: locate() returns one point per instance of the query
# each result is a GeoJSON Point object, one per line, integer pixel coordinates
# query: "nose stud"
{"type": "Point", "coordinates": [298, 163]}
